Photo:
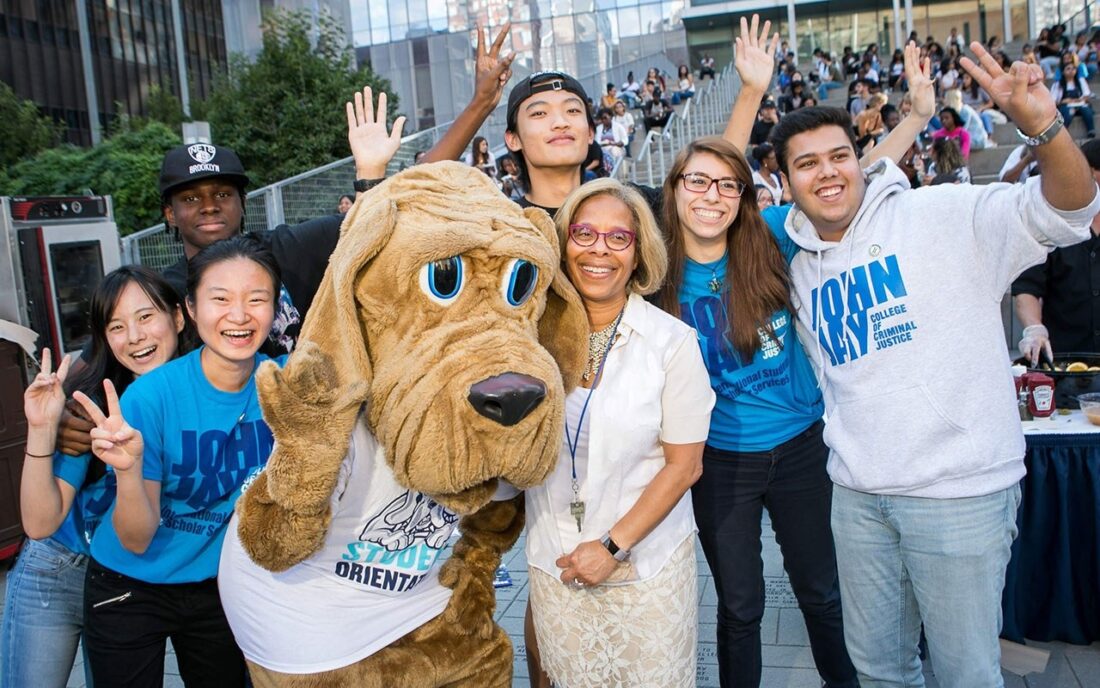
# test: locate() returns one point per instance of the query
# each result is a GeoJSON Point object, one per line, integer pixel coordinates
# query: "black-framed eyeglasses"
{"type": "Point", "coordinates": [618, 239]}
{"type": "Point", "coordinates": [701, 183]}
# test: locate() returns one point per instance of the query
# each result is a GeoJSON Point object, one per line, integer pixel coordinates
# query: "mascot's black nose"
{"type": "Point", "coordinates": [507, 398]}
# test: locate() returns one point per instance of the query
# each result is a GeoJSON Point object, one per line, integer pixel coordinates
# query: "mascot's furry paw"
{"type": "Point", "coordinates": [275, 537]}
{"type": "Point", "coordinates": [486, 535]}
{"type": "Point", "coordinates": [284, 514]}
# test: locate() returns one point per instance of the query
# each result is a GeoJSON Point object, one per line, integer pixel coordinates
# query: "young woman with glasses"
{"type": "Point", "coordinates": [728, 279]}
{"type": "Point", "coordinates": [610, 541]}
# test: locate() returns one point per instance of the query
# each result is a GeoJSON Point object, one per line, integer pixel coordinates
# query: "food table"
{"type": "Point", "coordinates": [1052, 585]}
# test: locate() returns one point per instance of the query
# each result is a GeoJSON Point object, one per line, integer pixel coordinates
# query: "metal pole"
{"type": "Point", "coordinates": [792, 30]}
{"type": "Point", "coordinates": [181, 58]}
{"type": "Point", "coordinates": [89, 73]}
{"type": "Point", "coordinates": [909, 17]}
{"type": "Point", "coordinates": [1006, 14]}
{"type": "Point", "coordinates": [897, 25]}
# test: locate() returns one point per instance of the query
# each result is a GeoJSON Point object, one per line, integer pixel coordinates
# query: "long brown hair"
{"type": "Point", "coordinates": [756, 272]}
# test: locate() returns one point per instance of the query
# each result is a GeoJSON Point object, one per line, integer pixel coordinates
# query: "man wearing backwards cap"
{"type": "Point", "coordinates": [549, 126]}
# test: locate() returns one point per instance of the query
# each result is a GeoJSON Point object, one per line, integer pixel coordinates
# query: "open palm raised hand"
{"type": "Point", "coordinates": [113, 440]}
{"type": "Point", "coordinates": [44, 400]}
{"type": "Point", "coordinates": [372, 145]}
{"type": "Point", "coordinates": [754, 56]}
{"type": "Point", "coordinates": [918, 75]}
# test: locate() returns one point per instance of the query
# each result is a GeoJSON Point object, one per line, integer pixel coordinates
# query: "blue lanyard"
{"type": "Point", "coordinates": [572, 442]}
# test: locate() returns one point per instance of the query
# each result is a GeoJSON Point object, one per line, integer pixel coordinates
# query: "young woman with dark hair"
{"type": "Point", "coordinates": [481, 157]}
{"type": "Point", "coordinates": [137, 324]}
{"type": "Point", "coordinates": [182, 443]}
{"type": "Point", "coordinates": [1071, 92]}
{"type": "Point", "coordinates": [728, 279]}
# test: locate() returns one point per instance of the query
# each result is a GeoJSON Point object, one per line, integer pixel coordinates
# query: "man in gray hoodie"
{"type": "Point", "coordinates": [898, 298]}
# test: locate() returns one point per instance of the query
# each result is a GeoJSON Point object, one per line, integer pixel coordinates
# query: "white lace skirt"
{"type": "Point", "coordinates": [630, 636]}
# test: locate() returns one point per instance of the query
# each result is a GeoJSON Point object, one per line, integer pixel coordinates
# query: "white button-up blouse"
{"type": "Point", "coordinates": [654, 388]}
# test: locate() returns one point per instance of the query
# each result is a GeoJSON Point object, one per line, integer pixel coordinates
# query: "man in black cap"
{"type": "Point", "coordinates": [202, 188]}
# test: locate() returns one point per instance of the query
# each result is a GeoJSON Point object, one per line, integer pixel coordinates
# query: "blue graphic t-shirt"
{"type": "Point", "coordinates": [767, 400]}
{"type": "Point", "coordinates": [203, 445]}
{"type": "Point", "coordinates": [89, 504]}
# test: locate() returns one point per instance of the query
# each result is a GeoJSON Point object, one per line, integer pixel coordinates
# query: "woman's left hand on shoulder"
{"type": "Point", "coordinates": [589, 564]}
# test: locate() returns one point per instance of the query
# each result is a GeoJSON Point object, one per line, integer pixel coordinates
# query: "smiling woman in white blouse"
{"type": "Point", "coordinates": [610, 541]}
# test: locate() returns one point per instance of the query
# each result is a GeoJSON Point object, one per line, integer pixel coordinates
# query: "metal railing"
{"type": "Point", "coordinates": [705, 114]}
{"type": "Point", "coordinates": [315, 193]}
{"type": "Point", "coordinates": [1082, 20]}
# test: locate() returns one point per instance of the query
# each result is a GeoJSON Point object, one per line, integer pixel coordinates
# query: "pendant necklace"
{"type": "Point", "coordinates": [599, 346]}
{"type": "Point", "coordinates": [715, 284]}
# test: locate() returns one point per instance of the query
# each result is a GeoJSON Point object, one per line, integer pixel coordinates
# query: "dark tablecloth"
{"type": "Point", "coordinates": [1052, 586]}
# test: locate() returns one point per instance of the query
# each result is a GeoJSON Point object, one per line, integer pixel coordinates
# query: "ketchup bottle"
{"type": "Point", "coordinates": [1041, 397]}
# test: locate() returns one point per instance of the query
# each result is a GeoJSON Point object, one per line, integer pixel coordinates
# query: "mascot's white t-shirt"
{"type": "Point", "coordinates": [373, 581]}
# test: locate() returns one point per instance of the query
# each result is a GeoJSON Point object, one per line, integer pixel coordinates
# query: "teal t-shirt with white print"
{"type": "Point", "coordinates": [204, 446]}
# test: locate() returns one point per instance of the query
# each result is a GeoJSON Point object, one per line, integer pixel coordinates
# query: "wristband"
{"type": "Point", "coordinates": [613, 549]}
{"type": "Point", "coordinates": [362, 185]}
{"type": "Point", "coordinates": [38, 456]}
{"type": "Point", "coordinates": [1045, 136]}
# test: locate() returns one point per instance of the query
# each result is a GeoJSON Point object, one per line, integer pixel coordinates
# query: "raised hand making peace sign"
{"type": "Point", "coordinates": [492, 71]}
{"type": "Point", "coordinates": [113, 440]}
{"type": "Point", "coordinates": [44, 399]}
{"type": "Point", "coordinates": [1020, 92]}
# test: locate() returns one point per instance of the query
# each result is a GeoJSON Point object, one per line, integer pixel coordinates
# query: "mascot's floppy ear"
{"type": "Point", "coordinates": [563, 328]}
{"type": "Point", "coordinates": [312, 403]}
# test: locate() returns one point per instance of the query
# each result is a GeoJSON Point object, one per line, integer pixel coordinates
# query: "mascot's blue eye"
{"type": "Point", "coordinates": [442, 280]}
{"type": "Point", "coordinates": [519, 282]}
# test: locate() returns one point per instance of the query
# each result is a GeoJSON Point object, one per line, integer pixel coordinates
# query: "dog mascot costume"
{"type": "Point", "coordinates": [429, 378]}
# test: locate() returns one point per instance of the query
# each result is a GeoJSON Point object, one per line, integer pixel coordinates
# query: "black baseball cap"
{"type": "Point", "coordinates": [192, 162]}
{"type": "Point", "coordinates": [544, 81]}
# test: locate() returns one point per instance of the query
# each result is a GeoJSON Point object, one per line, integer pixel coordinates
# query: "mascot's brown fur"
{"type": "Point", "coordinates": [373, 336]}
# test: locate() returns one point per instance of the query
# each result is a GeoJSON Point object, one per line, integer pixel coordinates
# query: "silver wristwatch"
{"type": "Point", "coordinates": [1045, 136]}
{"type": "Point", "coordinates": [613, 549]}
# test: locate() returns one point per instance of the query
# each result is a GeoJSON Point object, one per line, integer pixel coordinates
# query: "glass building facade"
{"type": "Point", "coordinates": [132, 48]}
{"type": "Point", "coordinates": [426, 47]}
{"type": "Point", "coordinates": [836, 24]}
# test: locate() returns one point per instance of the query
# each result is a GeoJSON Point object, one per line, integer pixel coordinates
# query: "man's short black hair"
{"type": "Point", "coordinates": [610, 87]}
{"type": "Point", "coordinates": [1091, 149]}
{"type": "Point", "coordinates": [807, 119]}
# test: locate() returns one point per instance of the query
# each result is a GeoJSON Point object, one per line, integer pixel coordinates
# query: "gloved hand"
{"type": "Point", "coordinates": [1035, 339]}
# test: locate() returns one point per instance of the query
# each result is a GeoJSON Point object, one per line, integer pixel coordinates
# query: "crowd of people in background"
{"type": "Point", "coordinates": [713, 407]}
{"type": "Point", "coordinates": [964, 122]}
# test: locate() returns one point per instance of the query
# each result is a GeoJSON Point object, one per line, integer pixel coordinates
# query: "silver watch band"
{"type": "Point", "coordinates": [1044, 136]}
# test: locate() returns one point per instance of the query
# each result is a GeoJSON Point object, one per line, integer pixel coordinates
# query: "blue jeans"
{"type": "Point", "coordinates": [905, 561]}
{"type": "Point", "coordinates": [825, 86]}
{"type": "Point", "coordinates": [987, 121]}
{"type": "Point", "coordinates": [791, 482]}
{"type": "Point", "coordinates": [1084, 112]}
{"type": "Point", "coordinates": [43, 617]}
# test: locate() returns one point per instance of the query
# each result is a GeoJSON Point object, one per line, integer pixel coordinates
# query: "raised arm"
{"type": "Point", "coordinates": [923, 96]}
{"type": "Point", "coordinates": [492, 73]}
{"type": "Point", "coordinates": [44, 500]}
{"type": "Point", "coordinates": [754, 60]}
{"type": "Point", "coordinates": [1020, 93]}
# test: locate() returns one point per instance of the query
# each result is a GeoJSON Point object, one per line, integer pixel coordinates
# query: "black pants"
{"type": "Point", "coordinates": [790, 480]}
{"type": "Point", "coordinates": [127, 621]}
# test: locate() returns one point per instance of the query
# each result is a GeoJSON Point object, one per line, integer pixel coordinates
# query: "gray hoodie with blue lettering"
{"type": "Point", "coordinates": [902, 321]}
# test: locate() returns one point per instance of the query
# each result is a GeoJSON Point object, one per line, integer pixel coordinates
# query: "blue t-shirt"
{"type": "Point", "coordinates": [89, 504]}
{"type": "Point", "coordinates": [203, 445]}
{"type": "Point", "coordinates": [762, 402]}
